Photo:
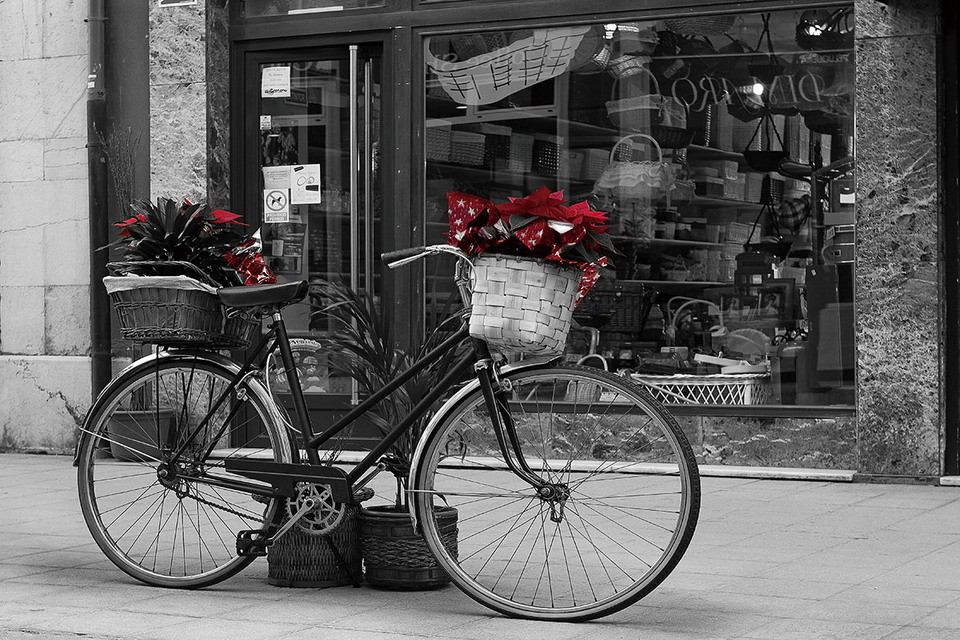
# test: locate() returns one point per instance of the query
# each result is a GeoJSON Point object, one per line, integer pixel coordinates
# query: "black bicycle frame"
{"type": "Point", "coordinates": [479, 359]}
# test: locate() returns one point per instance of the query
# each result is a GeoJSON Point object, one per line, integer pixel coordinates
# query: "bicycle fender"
{"type": "Point", "coordinates": [446, 408]}
{"type": "Point", "coordinates": [254, 385]}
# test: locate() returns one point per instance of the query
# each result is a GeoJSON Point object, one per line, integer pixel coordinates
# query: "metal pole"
{"type": "Point", "coordinates": [98, 213]}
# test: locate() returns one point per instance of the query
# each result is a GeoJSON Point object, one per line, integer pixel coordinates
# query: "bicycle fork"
{"type": "Point", "coordinates": [495, 392]}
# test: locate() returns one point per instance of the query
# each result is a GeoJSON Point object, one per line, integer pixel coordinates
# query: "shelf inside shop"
{"type": "Point", "coordinates": [668, 241]}
{"type": "Point", "coordinates": [679, 283]}
{"type": "Point", "coordinates": [709, 153]}
{"type": "Point", "coordinates": [725, 202]}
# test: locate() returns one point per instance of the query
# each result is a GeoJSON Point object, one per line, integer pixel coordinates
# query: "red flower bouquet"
{"type": "Point", "coordinates": [540, 225]}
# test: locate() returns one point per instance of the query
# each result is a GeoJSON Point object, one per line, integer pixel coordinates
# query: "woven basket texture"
{"type": "Point", "coordinates": [594, 162]}
{"type": "Point", "coordinates": [438, 143]}
{"type": "Point", "coordinates": [629, 303]}
{"type": "Point", "coordinates": [522, 305]}
{"type": "Point", "coordinates": [176, 317]}
{"type": "Point", "coordinates": [521, 153]}
{"type": "Point", "coordinates": [701, 25]}
{"type": "Point", "coordinates": [396, 556]}
{"type": "Point", "coordinates": [173, 317]}
{"type": "Point", "coordinates": [737, 389]}
{"type": "Point", "coordinates": [467, 148]}
{"type": "Point", "coordinates": [546, 157]}
{"type": "Point", "coordinates": [301, 559]}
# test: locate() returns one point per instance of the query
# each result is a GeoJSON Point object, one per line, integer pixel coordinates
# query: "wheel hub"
{"type": "Point", "coordinates": [555, 495]}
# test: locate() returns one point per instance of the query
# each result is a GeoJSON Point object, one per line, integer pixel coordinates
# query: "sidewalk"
{"type": "Point", "coordinates": [771, 560]}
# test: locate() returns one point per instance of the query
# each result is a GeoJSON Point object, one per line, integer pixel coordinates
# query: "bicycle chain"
{"type": "Point", "coordinates": [221, 507]}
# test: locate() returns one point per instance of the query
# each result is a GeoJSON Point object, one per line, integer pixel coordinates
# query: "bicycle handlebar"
{"type": "Point", "coordinates": [401, 254]}
{"type": "Point", "coordinates": [400, 257]}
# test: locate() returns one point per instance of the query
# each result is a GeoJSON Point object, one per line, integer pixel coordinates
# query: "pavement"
{"type": "Point", "coordinates": [771, 560]}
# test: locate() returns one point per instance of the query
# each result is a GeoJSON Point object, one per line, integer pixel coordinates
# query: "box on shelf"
{"type": "Point", "coordinates": [742, 132]}
{"type": "Point", "coordinates": [734, 188]}
{"type": "Point", "coordinates": [753, 188]}
{"type": "Point", "coordinates": [721, 128]}
{"type": "Point", "coordinates": [497, 143]}
{"type": "Point", "coordinates": [546, 154]}
{"type": "Point", "coordinates": [778, 187]}
{"type": "Point", "coordinates": [437, 142]}
{"type": "Point", "coordinates": [594, 162]}
{"type": "Point", "coordinates": [737, 232]}
{"type": "Point", "coordinates": [467, 148]}
{"type": "Point", "coordinates": [730, 250]}
{"type": "Point", "coordinates": [572, 164]}
{"type": "Point", "coordinates": [709, 187]}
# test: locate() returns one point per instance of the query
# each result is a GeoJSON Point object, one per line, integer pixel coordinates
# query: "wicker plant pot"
{"type": "Point", "coordinates": [300, 559]}
{"type": "Point", "coordinates": [522, 305]}
{"type": "Point", "coordinates": [130, 434]}
{"type": "Point", "coordinates": [395, 556]}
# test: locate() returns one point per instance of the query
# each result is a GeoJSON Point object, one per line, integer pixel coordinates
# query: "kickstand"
{"type": "Point", "coordinates": [341, 560]}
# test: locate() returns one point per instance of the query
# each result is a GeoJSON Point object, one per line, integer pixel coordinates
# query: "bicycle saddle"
{"type": "Point", "coordinates": [259, 295]}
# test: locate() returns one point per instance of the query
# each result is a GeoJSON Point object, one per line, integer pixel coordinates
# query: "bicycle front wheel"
{"type": "Point", "coordinates": [167, 521]}
{"type": "Point", "coordinates": [619, 509]}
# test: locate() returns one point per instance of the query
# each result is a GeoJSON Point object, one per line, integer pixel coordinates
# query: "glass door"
{"type": "Point", "coordinates": [312, 146]}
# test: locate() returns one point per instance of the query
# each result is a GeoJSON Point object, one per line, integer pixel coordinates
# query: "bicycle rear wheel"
{"type": "Point", "coordinates": [622, 504]}
{"type": "Point", "coordinates": [166, 523]}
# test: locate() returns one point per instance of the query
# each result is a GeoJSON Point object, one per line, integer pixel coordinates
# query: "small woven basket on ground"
{"type": "Point", "coordinates": [301, 559]}
{"type": "Point", "coordinates": [396, 556]}
{"type": "Point", "coordinates": [522, 305]}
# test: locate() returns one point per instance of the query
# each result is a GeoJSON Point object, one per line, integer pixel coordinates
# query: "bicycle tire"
{"type": "Point", "coordinates": [632, 506]}
{"type": "Point", "coordinates": [176, 534]}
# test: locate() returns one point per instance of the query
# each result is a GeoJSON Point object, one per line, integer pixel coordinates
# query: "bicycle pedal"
{"type": "Point", "coordinates": [252, 543]}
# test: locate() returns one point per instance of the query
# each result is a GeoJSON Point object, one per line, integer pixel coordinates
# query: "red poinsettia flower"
{"type": "Point", "coordinates": [222, 216]}
{"type": "Point", "coordinates": [124, 232]}
{"type": "Point", "coordinates": [540, 225]}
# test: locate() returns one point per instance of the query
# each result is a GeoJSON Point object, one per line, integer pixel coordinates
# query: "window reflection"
{"type": "Point", "coordinates": [721, 148]}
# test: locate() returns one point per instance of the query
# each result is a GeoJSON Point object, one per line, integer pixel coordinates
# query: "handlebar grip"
{"type": "Point", "coordinates": [393, 256]}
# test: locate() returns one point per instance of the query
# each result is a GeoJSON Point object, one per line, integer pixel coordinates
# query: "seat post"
{"type": "Point", "coordinates": [293, 379]}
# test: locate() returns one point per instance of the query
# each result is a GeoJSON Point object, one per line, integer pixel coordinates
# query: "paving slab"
{"type": "Point", "coordinates": [771, 560]}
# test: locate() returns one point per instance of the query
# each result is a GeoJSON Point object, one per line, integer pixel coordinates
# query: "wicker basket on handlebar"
{"type": "Point", "coordinates": [522, 305]}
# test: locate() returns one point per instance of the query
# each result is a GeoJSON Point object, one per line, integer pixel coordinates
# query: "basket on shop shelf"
{"type": "Point", "coordinates": [734, 388]}
{"type": "Point", "coordinates": [534, 258]}
{"type": "Point", "coordinates": [177, 255]}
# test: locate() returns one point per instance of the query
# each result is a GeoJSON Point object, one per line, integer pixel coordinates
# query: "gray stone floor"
{"type": "Point", "coordinates": [771, 560]}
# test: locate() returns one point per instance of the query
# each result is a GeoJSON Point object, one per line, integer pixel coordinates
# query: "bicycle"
{"type": "Point", "coordinates": [577, 492]}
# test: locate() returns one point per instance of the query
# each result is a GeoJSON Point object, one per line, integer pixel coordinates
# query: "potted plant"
{"type": "Point", "coordinates": [139, 432]}
{"type": "Point", "coordinates": [362, 345]}
{"type": "Point", "coordinates": [549, 253]}
{"type": "Point", "coordinates": [175, 254]}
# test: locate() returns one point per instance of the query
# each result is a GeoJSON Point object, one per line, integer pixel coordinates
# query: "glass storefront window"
{"type": "Point", "coordinates": [319, 201]}
{"type": "Point", "coordinates": [260, 8]}
{"type": "Point", "coordinates": [722, 150]}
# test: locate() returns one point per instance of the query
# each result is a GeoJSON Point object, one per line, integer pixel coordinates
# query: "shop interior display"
{"type": "Point", "coordinates": [721, 150]}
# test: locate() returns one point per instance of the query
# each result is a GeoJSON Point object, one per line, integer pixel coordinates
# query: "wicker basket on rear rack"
{"type": "Point", "coordinates": [522, 305]}
{"type": "Point", "coordinates": [174, 311]}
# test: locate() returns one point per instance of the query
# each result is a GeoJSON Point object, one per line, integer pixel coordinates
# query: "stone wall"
{"type": "Point", "coordinates": [898, 273]}
{"type": "Point", "coordinates": [44, 237]}
{"type": "Point", "coordinates": [190, 102]}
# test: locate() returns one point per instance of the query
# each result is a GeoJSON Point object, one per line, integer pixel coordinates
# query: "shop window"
{"type": "Point", "coordinates": [262, 8]}
{"type": "Point", "coordinates": [721, 149]}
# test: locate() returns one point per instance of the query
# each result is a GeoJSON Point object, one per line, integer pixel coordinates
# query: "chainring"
{"type": "Point", "coordinates": [326, 513]}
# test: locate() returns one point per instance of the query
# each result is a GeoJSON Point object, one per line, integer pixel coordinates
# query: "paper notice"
{"type": "Point", "coordinates": [276, 205]}
{"type": "Point", "coordinates": [276, 177]}
{"type": "Point", "coordinates": [266, 123]}
{"type": "Point", "coordinates": [275, 82]}
{"type": "Point", "coordinates": [305, 184]}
